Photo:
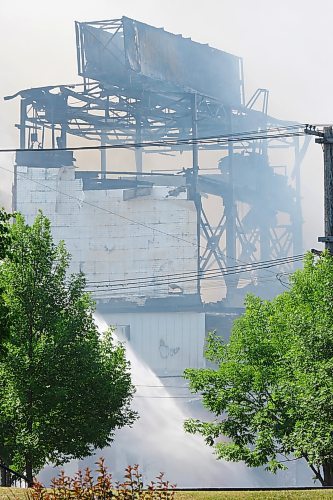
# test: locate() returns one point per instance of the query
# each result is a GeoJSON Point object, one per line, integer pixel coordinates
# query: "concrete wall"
{"type": "Point", "coordinates": [105, 243]}
{"type": "Point", "coordinates": [167, 342]}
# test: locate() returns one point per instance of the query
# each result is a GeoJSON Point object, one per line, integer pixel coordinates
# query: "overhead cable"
{"type": "Point", "coordinates": [185, 280]}
{"type": "Point", "coordinates": [273, 133]}
{"type": "Point", "coordinates": [241, 267]}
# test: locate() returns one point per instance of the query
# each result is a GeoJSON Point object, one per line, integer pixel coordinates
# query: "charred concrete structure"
{"type": "Point", "coordinates": [142, 85]}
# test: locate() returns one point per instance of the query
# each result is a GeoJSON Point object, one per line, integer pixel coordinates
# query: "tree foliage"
{"type": "Point", "coordinates": [5, 233]}
{"type": "Point", "coordinates": [64, 388]}
{"type": "Point", "coordinates": [272, 390]}
{"type": "Point", "coordinates": [5, 238]}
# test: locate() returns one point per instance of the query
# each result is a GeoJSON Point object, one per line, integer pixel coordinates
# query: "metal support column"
{"type": "Point", "coordinates": [62, 140]}
{"type": "Point", "coordinates": [23, 118]}
{"type": "Point", "coordinates": [194, 185]}
{"type": "Point", "coordinates": [230, 213]}
{"type": "Point", "coordinates": [103, 157]}
{"type": "Point", "coordinates": [264, 231]}
{"type": "Point", "coordinates": [297, 219]}
{"type": "Point", "coordinates": [297, 215]}
{"type": "Point", "coordinates": [138, 151]}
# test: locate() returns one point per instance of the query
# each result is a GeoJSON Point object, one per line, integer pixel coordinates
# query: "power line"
{"type": "Point", "coordinates": [219, 282]}
{"type": "Point", "coordinates": [180, 281]}
{"type": "Point", "coordinates": [273, 133]}
{"type": "Point", "coordinates": [252, 265]}
{"type": "Point", "coordinates": [243, 282]}
{"type": "Point", "coordinates": [189, 274]}
{"type": "Point", "coordinates": [186, 280]}
{"type": "Point", "coordinates": [150, 285]}
{"type": "Point", "coordinates": [205, 287]}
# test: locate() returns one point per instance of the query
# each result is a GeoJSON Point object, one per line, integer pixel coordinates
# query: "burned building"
{"type": "Point", "coordinates": [148, 238]}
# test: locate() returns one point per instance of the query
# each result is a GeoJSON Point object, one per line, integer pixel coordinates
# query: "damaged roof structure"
{"type": "Point", "coordinates": [155, 92]}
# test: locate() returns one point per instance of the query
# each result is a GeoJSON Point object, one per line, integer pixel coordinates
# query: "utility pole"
{"type": "Point", "coordinates": [328, 188]}
{"type": "Point", "coordinates": [326, 139]}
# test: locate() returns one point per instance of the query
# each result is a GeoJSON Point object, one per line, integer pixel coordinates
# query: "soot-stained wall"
{"type": "Point", "coordinates": [111, 237]}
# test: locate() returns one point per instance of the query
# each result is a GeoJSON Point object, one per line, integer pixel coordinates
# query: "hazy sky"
{"type": "Point", "coordinates": [285, 45]}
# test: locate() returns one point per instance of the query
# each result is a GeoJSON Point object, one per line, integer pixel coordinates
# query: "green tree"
{"type": "Point", "coordinates": [4, 233]}
{"type": "Point", "coordinates": [5, 236]}
{"type": "Point", "coordinates": [272, 390]}
{"type": "Point", "coordinates": [64, 388]}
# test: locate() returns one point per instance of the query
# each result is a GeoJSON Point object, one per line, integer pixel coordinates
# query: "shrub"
{"type": "Point", "coordinates": [84, 486]}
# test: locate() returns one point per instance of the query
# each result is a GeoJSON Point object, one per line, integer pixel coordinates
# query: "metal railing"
{"type": "Point", "coordinates": [10, 477]}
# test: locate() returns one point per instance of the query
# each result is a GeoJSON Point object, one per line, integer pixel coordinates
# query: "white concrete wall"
{"type": "Point", "coordinates": [99, 233]}
{"type": "Point", "coordinates": [167, 342]}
